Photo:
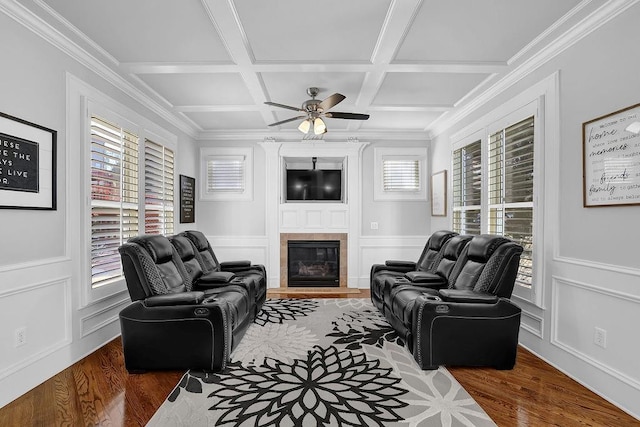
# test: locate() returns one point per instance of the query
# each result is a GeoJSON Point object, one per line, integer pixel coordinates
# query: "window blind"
{"type": "Point", "coordinates": [511, 176]}
{"type": "Point", "coordinates": [401, 175]}
{"type": "Point", "coordinates": [467, 188]}
{"type": "Point", "coordinates": [226, 174]}
{"type": "Point", "coordinates": [114, 197]}
{"type": "Point", "coordinates": [158, 189]}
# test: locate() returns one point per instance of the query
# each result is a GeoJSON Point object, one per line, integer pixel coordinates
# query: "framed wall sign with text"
{"type": "Point", "coordinates": [27, 165]}
{"type": "Point", "coordinates": [187, 199]}
{"type": "Point", "coordinates": [611, 159]}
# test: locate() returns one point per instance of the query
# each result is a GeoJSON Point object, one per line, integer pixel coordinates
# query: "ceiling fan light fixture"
{"type": "Point", "coordinates": [305, 126]}
{"type": "Point", "coordinates": [319, 127]}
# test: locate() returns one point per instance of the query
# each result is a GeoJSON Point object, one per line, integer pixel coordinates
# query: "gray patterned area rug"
{"type": "Point", "coordinates": [308, 362]}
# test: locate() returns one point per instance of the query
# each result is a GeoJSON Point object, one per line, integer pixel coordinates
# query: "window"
{"type": "Point", "coordinates": [114, 197]}
{"type": "Point", "coordinates": [511, 181]}
{"type": "Point", "coordinates": [226, 173]}
{"type": "Point", "coordinates": [158, 189]}
{"type": "Point", "coordinates": [400, 173]}
{"type": "Point", "coordinates": [519, 171]}
{"type": "Point", "coordinates": [467, 188]}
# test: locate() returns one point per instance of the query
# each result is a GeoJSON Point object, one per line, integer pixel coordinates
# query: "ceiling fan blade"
{"type": "Point", "coordinates": [351, 116]}
{"type": "Point", "coordinates": [288, 120]}
{"type": "Point", "coordinates": [334, 99]}
{"type": "Point", "coordinates": [288, 107]}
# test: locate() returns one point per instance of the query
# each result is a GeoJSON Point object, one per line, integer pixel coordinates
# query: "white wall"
{"type": "Point", "coordinates": [593, 266]}
{"type": "Point", "coordinates": [40, 276]}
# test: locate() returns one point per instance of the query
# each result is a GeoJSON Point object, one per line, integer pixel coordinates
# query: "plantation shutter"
{"type": "Point", "coordinates": [511, 189]}
{"type": "Point", "coordinates": [226, 174]}
{"type": "Point", "coordinates": [158, 189]}
{"type": "Point", "coordinates": [401, 175]}
{"type": "Point", "coordinates": [114, 197]}
{"type": "Point", "coordinates": [467, 188]}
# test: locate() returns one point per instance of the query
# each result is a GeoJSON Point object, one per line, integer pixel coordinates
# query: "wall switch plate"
{"type": "Point", "coordinates": [374, 225]}
{"type": "Point", "coordinates": [21, 336]}
{"type": "Point", "coordinates": [600, 337]}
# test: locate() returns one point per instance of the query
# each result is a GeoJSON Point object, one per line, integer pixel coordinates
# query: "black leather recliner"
{"type": "Point", "coordinates": [382, 276]}
{"type": "Point", "coordinates": [471, 322]}
{"type": "Point", "coordinates": [244, 269]}
{"type": "Point", "coordinates": [172, 322]}
{"type": "Point", "coordinates": [430, 282]}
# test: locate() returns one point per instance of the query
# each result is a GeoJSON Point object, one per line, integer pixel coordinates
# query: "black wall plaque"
{"type": "Point", "coordinates": [187, 199]}
{"type": "Point", "coordinates": [19, 164]}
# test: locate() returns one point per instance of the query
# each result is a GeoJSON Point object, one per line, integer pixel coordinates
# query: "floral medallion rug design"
{"type": "Point", "coordinates": [330, 362]}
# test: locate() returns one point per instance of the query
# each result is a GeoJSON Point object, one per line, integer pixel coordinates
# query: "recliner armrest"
{"type": "Point", "coordinates": [235, 264]}
{"type": "Point", "coordinates": [180, 298]}
{"type": "Point", "coordinates": [215, 277]}
{"type": "Point", "coordinates": [401, 264]}
{"type": "Point", "coordinates": [467, 296]}
{"type": "Point", "coordinates": [423, 278]}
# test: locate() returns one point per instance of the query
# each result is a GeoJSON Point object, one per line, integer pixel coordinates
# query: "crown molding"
{"type": "Point", "coordinates": [46, 31]}
{"type": "Point", "coordinates": [586, 26]}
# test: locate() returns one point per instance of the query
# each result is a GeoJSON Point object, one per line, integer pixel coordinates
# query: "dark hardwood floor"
{"type": "Point", "coordinates": [98, 391]}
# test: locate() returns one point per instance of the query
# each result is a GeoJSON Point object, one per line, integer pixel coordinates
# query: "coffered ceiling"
{"type": "Point", "coordinates": [408, 63]}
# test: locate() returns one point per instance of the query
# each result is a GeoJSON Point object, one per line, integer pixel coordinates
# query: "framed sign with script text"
{"type": "Point", "coordinates": [27, 165]}
{"type": "Point", "coordinates": [611, 156]}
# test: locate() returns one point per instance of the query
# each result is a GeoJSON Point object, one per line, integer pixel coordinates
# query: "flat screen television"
{"type": "Point", "coordinates": [314, 185]}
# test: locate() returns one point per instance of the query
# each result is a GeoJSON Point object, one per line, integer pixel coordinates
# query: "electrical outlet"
{"type": "Point", "coordinates": [600, 337]}
{"type": "Point", "coordinates": [374, 225]}
{"type": "Point", "coordinates": [21, 336]}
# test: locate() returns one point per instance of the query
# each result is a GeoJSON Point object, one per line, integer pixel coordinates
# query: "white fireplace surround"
{"type": "Point", "coordinates": [313, 217]}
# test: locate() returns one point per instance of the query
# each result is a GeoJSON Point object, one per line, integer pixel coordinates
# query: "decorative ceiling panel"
{"type": "Point", "coordinates": [415, 120]}
{"type": "Point", "coordinates": [200, 89]}
{"type": "Point", "coordinates": [146, 30]}
{"type": "Point", "coordinates": [227, 120]}
{"type": "Point", "coordinates": [312, 31]}
{"type": "Point", "coordinates": [471, 30]}
{"type": "Point", "coordinates": [441, 89]}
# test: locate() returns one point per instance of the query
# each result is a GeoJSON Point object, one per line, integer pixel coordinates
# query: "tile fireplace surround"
{"type": "Point", "coordinates": [284, 261]}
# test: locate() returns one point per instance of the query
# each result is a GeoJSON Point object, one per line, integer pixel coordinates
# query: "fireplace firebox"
{"type": "Point", "coordinates": [313, 263]}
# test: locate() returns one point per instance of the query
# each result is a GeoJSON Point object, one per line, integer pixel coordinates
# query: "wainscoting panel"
{"type": "Point", "coordinates": [578, 308]}
{"type": "Point", "coordinates": [376, 250]}
{"type": "Point", "coordinates": [312, 219]}
{"type": "Point", "coordinates": [254, 249]}
{"type": "Point", "coordinates": [97, 320]}
{"type": "Point", "coordinates": [338, 218]}
{"type": "Point", "coordinates": [289, 218]}
{"type": "Point", "coordinates": [42, 311]}
{"type": "Point", "coordinates": [531, 323]}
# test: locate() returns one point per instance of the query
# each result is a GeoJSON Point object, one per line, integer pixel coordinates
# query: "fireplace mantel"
{"type": "Point", "coordinates": [320, 218]}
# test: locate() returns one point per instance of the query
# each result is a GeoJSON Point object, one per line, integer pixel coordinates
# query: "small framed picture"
{"type": "Point", "coordinates": [439, 193]}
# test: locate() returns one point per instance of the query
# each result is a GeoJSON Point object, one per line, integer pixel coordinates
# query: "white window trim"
{"type": "Point", "coordinates": [212, 153]}
{"type": "Point", "coordinates": [83, 101]}
{"type": "Point", "coordinates": [542, 101]}
{"type": "Point", "coordinates": [400, 153]}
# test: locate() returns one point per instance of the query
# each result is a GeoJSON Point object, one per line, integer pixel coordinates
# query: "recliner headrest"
{"type": "Point", "coordinates": [183, 246]}
{"type": "Point", "coordinates": [158, 247]}
{"type": "Point", "coordinates": [198, 239]}
{"type": "Point", "coordinates": [456, 245]}
{"type": "Point", "coordinates": [439, 238]}
{"type": "Point", "coordinates": [483, 246]}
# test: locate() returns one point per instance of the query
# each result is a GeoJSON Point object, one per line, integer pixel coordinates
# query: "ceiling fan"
{"type": "Point", "coordinates": [314, 110]}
